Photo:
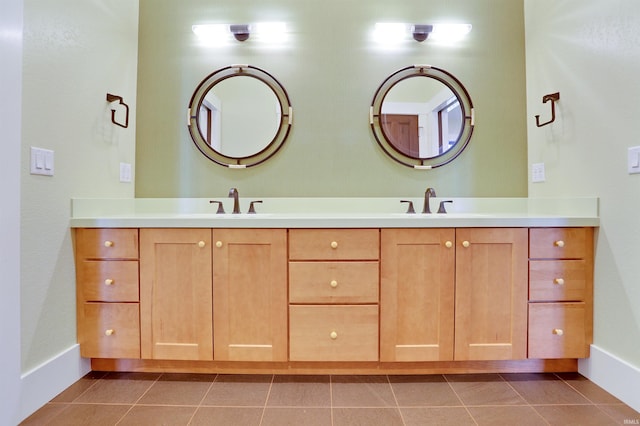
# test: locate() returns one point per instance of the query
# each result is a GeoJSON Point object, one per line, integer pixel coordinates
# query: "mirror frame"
{"type": "Point", "coordinates": [284, 127]}
{"type": "Point", "coordinates": [458, 89]}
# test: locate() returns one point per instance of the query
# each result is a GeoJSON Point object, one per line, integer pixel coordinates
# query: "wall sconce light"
{"type": "Point", "coordinates": [267, 31]}
{"type": "Point", "coordinates": [397, 32]}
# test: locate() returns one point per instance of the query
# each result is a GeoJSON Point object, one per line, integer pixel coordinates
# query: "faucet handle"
{"type": "Point", "coordinates": [441, 209]}
{"type": "Point", "coordinates": [410, 209]}
{"type": "Point", "coordinates": [252, 209]}
{"type": "Point", "coordinates": [220, 206]}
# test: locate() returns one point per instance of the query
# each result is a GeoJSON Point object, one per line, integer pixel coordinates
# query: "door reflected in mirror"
{"type": "Point", "coordinates": [421, 117]}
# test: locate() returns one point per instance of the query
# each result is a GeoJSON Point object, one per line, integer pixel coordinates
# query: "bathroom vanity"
{"type": "Point", "coordinates": [335, 286]}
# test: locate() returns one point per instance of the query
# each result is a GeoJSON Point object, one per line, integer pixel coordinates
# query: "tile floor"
{"type": "Point", "coordinates": [200, 399]}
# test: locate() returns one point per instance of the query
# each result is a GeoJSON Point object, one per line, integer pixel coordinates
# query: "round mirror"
{"type": "Point", "coordinates": [422, 117]}
{"type": "Point", "coordinates": [239, 116]}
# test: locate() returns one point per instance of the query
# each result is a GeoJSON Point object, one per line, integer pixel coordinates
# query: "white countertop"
{"type": "Point", "coordinates": [332, 213]}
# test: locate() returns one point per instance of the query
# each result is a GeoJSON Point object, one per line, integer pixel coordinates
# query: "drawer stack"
{"type": "Point", "coordinates": [108, 293]}
{"type": "Point", "coordinates": [560, 292]}
{"type": "Point", "coordinates": [333, 294]}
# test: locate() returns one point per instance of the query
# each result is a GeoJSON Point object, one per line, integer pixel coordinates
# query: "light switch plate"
{"type": "Point", "coordinates": [41, 161]}
{"type": "Point", "coordinates": [633, 160]}
{"type": "Point", "coordinates": [537, 172]}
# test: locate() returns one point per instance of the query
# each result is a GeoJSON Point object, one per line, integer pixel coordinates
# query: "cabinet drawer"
{"type": "Point", "coordinates": [111, 243]}
{"type": "Point", "coordinates": [333, 282]}
{"type": "Point", "coordinates": [558, 243]}
{"type": "Point", "coordinates": [334, 244]}
{"type": "Point", "coordinates": [109, 280]}
{"type": "Point", "coordinates": [557, 330]}
{"type": "Point", "coordinates": [333, 333]}
{"type": "Point", "coordinates": [110, 330]}
{"type": "Point", "coordinates": [557, 280]}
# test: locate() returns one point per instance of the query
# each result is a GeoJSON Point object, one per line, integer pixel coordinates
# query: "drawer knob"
{"type": "Point", "coordinates": [108, 244]}
{"type": "Point", "coordinates": [559, 281]}
{"type": "Point", "coordinates": [466, 244]}
{"type": "Point", "coordinates": [558, 331]}
{"type": "Point", "coordinates": [334, 244]}
{"type": "Point", "coordinates": [448, 244]}
{"type": "Point", "coordinates": [201, 244]}
{"type": "Point", "coordinates": [108, 281]}
{"type": "Point", "coordinates": [334, 283]}
{"type": "Point", "coordinates": [333, 335]}
{"type": "Point", "coordinates": [218, 244]}
{"type": "Point", "coordinates": [559, 243]}
{"type": "Point", "coordinates": [109, 332]}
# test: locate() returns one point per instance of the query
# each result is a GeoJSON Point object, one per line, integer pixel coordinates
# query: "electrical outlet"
{"type": "Point", "coordinates": [537, 172]}
{"type": "Point", "coordinates": [125, 172]}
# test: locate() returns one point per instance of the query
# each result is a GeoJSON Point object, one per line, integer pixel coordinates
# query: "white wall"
{"type": "Point", "coordinates": [589, 51]}
{"type": "Point", "coordinates": [10, 93]}
{"type": "Point", "coordinates": [75, 51]}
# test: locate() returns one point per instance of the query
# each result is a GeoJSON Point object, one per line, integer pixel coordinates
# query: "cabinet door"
{"type": "Point", "coordinates": [176, 294]}
{"type": "Point", "coordinates": [250, 294]}
{"type": "Point", "coordinates": [491, 294]}
{"type": "Point", "coordinates": [417, 295]}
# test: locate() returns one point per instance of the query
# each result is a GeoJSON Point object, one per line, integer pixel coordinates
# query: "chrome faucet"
{"type": "Point", "coordinates": [430, 192]}
{"type": "Point", "coordinates": [233, 193]}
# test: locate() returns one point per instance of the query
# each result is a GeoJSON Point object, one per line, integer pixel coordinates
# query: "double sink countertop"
{"type": "Point", "coordinates": [321, 212]}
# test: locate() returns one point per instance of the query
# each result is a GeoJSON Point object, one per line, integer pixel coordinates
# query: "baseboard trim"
{"type": "Point", "coordinates": [613, 374]}
{"type": "Point", "coordinates": [47, 380]}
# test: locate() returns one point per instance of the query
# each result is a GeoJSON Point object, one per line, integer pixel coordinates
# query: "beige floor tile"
{"type": "Point", "coordinates": [437, 416]}
{"type": "Point", "coordinates": [484, 389]}
{"type": "Point", "coordinates": [287, 416]}
{"type": "Point", "coordinates": [366, 417]}
{"type": "Point", "coordinates": [230, 390]}
{"type": "Point", "coordinates": [153, 415]}
{"type": "Point", "coordinates": [507, 416]}
{"type": "Point", "coordinates": [227, 416]}
{"type": "Point", "coordinates": [578, 415]}
{"type": "Point", "coordinates": [361, 391]}
{"type": "Point", "coordinates": [300, 391]}
{"type": "Point", "coordinates": [431, 390]}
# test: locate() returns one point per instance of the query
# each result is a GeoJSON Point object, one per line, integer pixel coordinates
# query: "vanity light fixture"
{"type": "Point", "coordinates": [397, 32]}
{"type": "Point", "coordinates": [268, 31]}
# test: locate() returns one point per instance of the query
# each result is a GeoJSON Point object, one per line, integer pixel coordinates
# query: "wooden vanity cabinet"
{"type": "Point", "coordinates": [422, 270]}
{"type": "Point", "coordinates": [560, 292]}
{"type": "Point", "coordinates": [250, 294]}
{"type": "Point", "coordinates": [175, 294]}
{"type": "Point", "coordinates": [107, 292]}
{"type": "Point", "coordinates": [491, 294]}
{"type": "Point", "coordinates": [417, 288]}
{"type": "Point", "coordinates": [333, 294]}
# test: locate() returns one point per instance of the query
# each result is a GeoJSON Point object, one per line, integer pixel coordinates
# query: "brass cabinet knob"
{"type": "Point", "coordinates": [201, 244]}
{"type": "Point", "coordinates": [334, 244]}
{"type": "Point", "coordinates": [466, 244]}
{"type": "Point", "coordinates": [559, 243]}
{"type": "Point", "coordinates": [333, 335]}
{"type": "Point", "coordinates": [559, 281]}
{"type": "Point", "coordinates": [334, 283]}
{"type": "Point", "coordinates": [108, 244]}
{"type": "Point", "coordinates": [558, 331]}
{"type": "Point", "coordinates": [109, 332]}
{"type": "Point", "coordinates": [448, 244]}
{"type": "Point", "coordinates": [108, 281]}
{"type": "Point", "coordinates": [218, 244]}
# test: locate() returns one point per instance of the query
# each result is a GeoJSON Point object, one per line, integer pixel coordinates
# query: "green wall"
{"type": "Point", "coordinates": [331, 69]}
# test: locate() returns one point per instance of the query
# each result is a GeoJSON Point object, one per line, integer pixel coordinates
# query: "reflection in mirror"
{"type": "Point", "coordinates": [243, 116]}
{"type": "Point", "coordinates": [422, 117]}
